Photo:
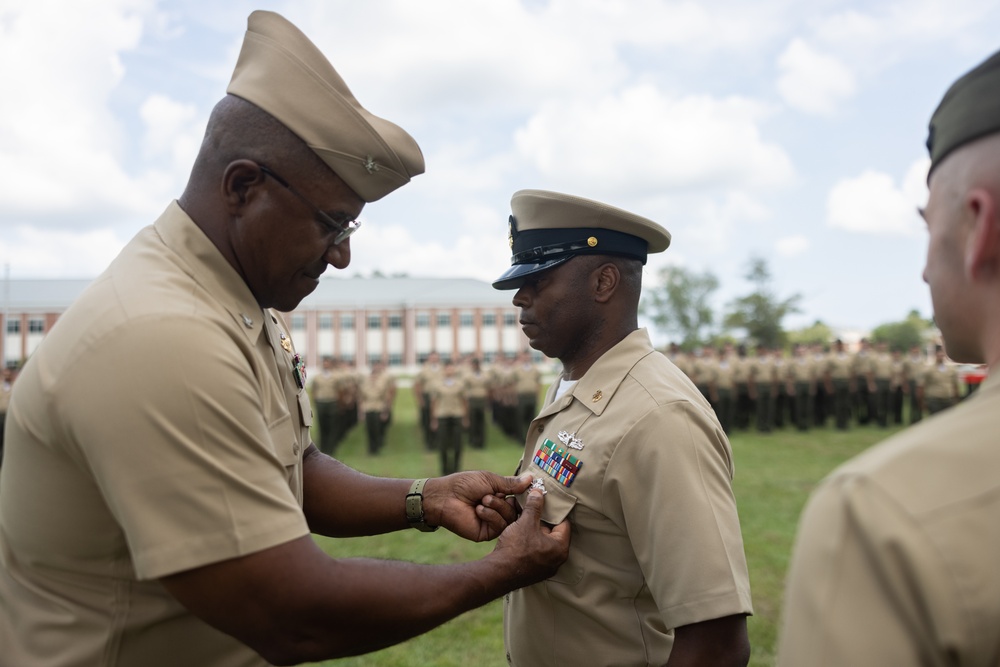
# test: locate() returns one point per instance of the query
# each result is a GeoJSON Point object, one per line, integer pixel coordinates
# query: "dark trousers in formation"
{"type": "Point", "coordinates": [822, 404]}
{"type": "Point", "coordinates": [477, 422]}
{"type": "Point", "coordinates": [896, 399]}
{"type": "Point", "coordinates": [803, 405]}
{"type": "Point", "coordinates": [425, 423]}
{"type": "Point", "coordinates": [326, 418]}
{"type": "Point", "coordinates": [725, 409]}
{"type": "Point", "coordinates": [742, 405]}
{"type": "Point", "coordinates": [936, 405]}
{"type": "Point", "coordinates": [765, 409]}
{"type": "Point", "coordinates": [842, 404]}
{"type": "Point", "coordinates": [864, 403]}
{"type": "Point", "coordinates": [449, 442]}
{"type": "Point", "coordinates": [526, 411]}
{"type": "Point", "coordinates": [375, 427]}
{"type": "Point", "coordinates": [881, 402]}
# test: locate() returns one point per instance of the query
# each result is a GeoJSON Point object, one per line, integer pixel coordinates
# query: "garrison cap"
{"type": "Point", "coordinates": [549, 228]}
{"type": "Point", "coordinates": [283, 73]}
{"type": "Point", "coordinates": [969, 110]}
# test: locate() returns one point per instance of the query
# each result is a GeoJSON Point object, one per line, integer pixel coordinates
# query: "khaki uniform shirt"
{"type": "Point", "coordinates": [881, 365]}
{"type": "Point", "coordinates": [528, 379]}
{"type": "Point", "coordinates": [763, 371]}
{"type": "Point", "coordinates": [897, 552]}
{"type": "Point", "coordinates": [375, 392]}
{"type": "Point", "coordinates": [476, 385]}
{"type": "Point", "coordinates": [940, 381]}
{"type": "Point", "coordinates": [656, 540]}
{"type": "Point", "coordinates": [706, 371]}
{"type": "Point", "coordinates": [448, 395]}
{"type": "Point", "coordinates": [323, 387]}
{"type": "Point", "coordinates": [840, 366]}
{"type": "Point", "coordinates": [914, 367]}
{"type": "Point", "coordinates": [724, 373]}
{"type": "Point", "coordinates": [801, 369]}
{"type": "Point", "coordinates": [189, 454]}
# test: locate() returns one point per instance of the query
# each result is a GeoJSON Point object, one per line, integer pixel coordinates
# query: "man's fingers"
{"type": "Point", "coordinates": [515, 485]}
{"type": "Point", "coordinates": [533, 506]}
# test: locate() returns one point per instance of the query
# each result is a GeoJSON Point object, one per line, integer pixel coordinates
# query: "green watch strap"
{"type": "Point", "coordinates": [415, 507]}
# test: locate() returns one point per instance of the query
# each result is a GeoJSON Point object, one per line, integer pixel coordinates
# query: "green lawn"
{"type": "Point", "coordinates": [774, 475]}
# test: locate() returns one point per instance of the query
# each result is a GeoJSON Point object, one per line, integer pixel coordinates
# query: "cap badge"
{"type": "Point", "coordinates": [570, 440]}
{"type": "Point", "coordinates": [371, 165]}
{"type": "Point", "coordinates": [511, 230]}
{"type": "Point", "coordinates": [592, 241]}
{"type": "Point", "coordinates": [598, 395]}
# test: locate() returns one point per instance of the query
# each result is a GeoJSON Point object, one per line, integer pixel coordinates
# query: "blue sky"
{"type": "Point", "coordinates": [788, 130]}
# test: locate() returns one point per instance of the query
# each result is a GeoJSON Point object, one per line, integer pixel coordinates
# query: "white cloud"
{"type": "Point", "coordinates": [872, 203]}
{"type": "Point", "coordinates": [790, 246]}
{"type": "Point", "coordinates": [811, 81]}
{"type": "Point", "coordinates": [173, 130]}
{"type": "Point", "coordinates": [40, 253]}
{"type": "Point", "coordinates": [643, 141]}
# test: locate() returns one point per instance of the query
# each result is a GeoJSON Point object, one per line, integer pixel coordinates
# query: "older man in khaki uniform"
{"type": "Point", "coordinates": [165, 520]}
{"type": "Point", "coordinates": [628, 450]}
{"type": "Point", "coordinates": [897, 552]}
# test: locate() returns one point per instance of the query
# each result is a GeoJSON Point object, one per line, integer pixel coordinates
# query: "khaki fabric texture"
{"type": "Point", "coordinates": [375, 392]}
{"type": "Point", "coordinates": [448, 395]}
{"type": "Point", "coordinates": [940, 381]}
{"type": "Point", "coordinates": [152, 432]}
{"type": "Point", "coordinates": [840, 366]}
{"type": "Point", "coordinates": [656, 539]}
{"type": "Point", "coordinates": [323, 386]}
{"type": "Point", "coordinates": [897, 551]}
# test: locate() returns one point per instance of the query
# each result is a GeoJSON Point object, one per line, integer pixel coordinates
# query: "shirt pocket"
{"type": "Point", "coordinates": [284, 440]}
{"type": "Point", "coordinates": [305, 408]}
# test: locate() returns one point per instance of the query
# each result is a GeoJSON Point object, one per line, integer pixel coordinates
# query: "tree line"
{"type": "Point", "coordinates": [680, 307]}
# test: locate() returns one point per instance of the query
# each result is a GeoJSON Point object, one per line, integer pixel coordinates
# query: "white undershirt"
{"type": "Point", "coordinates": [565, 386]}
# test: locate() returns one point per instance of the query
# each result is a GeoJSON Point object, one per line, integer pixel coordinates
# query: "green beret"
{"type": "Point", "coordinates": [548, 228]}
{"type": "Point", "coordinates": [970, 110]}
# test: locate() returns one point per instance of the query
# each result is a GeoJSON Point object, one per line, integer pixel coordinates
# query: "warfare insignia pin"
{"type": "Point", "coordinates": [555, 462]}
{"type": "Point", "coordinates": [570, 440]}
{"type": "Point", "coordinates": [539, 484]}
{"type": "Point", "coordinates": [286, 344]}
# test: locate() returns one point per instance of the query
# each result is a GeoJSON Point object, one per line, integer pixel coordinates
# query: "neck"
{"type": "Point", "coordinates": [577, 365]}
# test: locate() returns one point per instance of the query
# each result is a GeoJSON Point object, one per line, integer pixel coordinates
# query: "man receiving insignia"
{"type": "Point", "coordinates": [628, 450]}
{"type": "Point", "coordinates": [895, 561]}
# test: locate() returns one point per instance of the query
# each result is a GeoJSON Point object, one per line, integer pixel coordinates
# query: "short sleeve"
{"type": "Point", "coordinates": [672, 476]}
{"type": "Point", "coordinates": [178, 439]}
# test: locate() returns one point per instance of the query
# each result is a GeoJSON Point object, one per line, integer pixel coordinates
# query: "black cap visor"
{"type": "Point", "coordinates": [515, 276]}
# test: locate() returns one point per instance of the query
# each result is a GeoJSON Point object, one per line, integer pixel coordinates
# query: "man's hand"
{"type": "Point", "coordinates": [536, 549]}
{"type": "Point", "coordinates": [464, 503]}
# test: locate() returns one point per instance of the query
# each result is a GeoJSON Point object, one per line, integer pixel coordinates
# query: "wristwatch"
{"type": "Point", "coordinates": [415, 507]}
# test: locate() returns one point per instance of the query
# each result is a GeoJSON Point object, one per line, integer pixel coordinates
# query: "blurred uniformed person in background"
{"type": "Point", "coordinates": [706, 374]}
{"type": "Point", "coordinates": [724, 388]}
{"type": "Point", "coordinates": [449, 417]}
{"type": "Point", "coordinates": [881, 375]}
{"type": "Point", "coordinates": [159, 486]}
{"type": "Point", "coordinates": [762, 378]}
{"type": "Point", "coordinates": [823, 400]}
{"type": "Point", "coordinates": [863, 384]}
{"type": "Point", "coordinates": [743, 406]}
{"type": "Point", "coordinates": [940, 385]}
{"type": "Point", "coordinates": [477, 389]}
{"type": "Point", "coordinates": [377, 394]}
{"type": "Point", "coordinates": [628, 450]}
{"type": "Point", "coordinates": [801, 378]}
{"type": "Point", "coordinates": [897, 387]}
{"type": "Point", "coordinates": [840, 377]}
{"type": "Point", "coordinates": [914, 367]}
{"type": "Point", "coordinates": [897, 550]}
{"type": "Point", "coordinates": [323, 389]}
{"type": "Point", "coordinates": [429, 373]}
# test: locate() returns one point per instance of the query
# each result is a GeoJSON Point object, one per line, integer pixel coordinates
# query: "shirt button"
{"type": "Point", "coordinates": [295, 449]}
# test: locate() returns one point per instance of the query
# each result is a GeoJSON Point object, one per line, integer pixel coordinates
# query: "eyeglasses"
{"type": "Point", "coordinates": [342, 229]}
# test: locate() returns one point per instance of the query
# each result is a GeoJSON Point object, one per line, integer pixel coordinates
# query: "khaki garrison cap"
{"type": "Point", "coordinates": [549, 228]}
{"type": "Point", "coordinates": [969, 110]}
{"type": "Point", "coordinates": [283, 73]}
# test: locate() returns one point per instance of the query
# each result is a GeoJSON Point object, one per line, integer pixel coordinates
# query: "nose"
{"type": "Point", "coordinates": [520, 297]}
{"type": "Point", "coordinates": [339, 255]}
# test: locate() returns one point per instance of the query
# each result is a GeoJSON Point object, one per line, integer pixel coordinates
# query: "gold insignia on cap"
{"type": "Point", "coordinates": [598, 395]}
{"type": "Point", "coordinates": [510, 231]}
{"type": "Point", "coordinates": [592, 241]}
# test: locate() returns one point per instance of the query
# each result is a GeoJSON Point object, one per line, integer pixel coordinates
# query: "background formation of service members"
{"type": "Point", "coordinates": [810, 386]}
{"type": "Point", "coordinates": [819, 386]}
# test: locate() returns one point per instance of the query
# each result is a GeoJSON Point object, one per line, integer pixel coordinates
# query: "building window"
{"type": "Point", "coordinates": [509, 319]}
{"type": "Point", "coordinates": [347, 359]}
{"type": "Point", "coordinates": [422, 357]}
{"type": "Point", "coordinates": [444, 319]}
{"type": "Point", "coordinates": [36, 325]}
{"type": "Point", "coordinates": [298, 322]}
{"type": "Point", "coordinates": [374, 359]}
{"type": "Point", "coordinates": [347, 321]}
{"type": "Point", "coordinates": [465, 320]}
{"type": "Point", "coordinates": [488, 357]}
{"type": "Point", "coordinates": [14, 326]}
{"type": "Point", "coordinates": [326, 321]}
{"type": "Point", "coordinates": [395, 359]}
{"type": "Point", "coordinates": [396, 321]}
{"type": "Point", "coordinates": [423, 320]}
{"type": "Point", "coordinates": [374, 321]}
{"type": "Point", "coordinates": [489, 319]}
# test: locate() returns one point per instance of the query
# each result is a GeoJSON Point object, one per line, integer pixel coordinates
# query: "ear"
{"type": "Point", "coordinates": [239, 184]}
{"type": "Point", "coordinates": [982, 245]}
{"type": "Point", "coordinates": [608, 278]}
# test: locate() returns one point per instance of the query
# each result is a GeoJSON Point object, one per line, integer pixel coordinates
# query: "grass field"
{"type": "Point", "coordinates": [774, 475]}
